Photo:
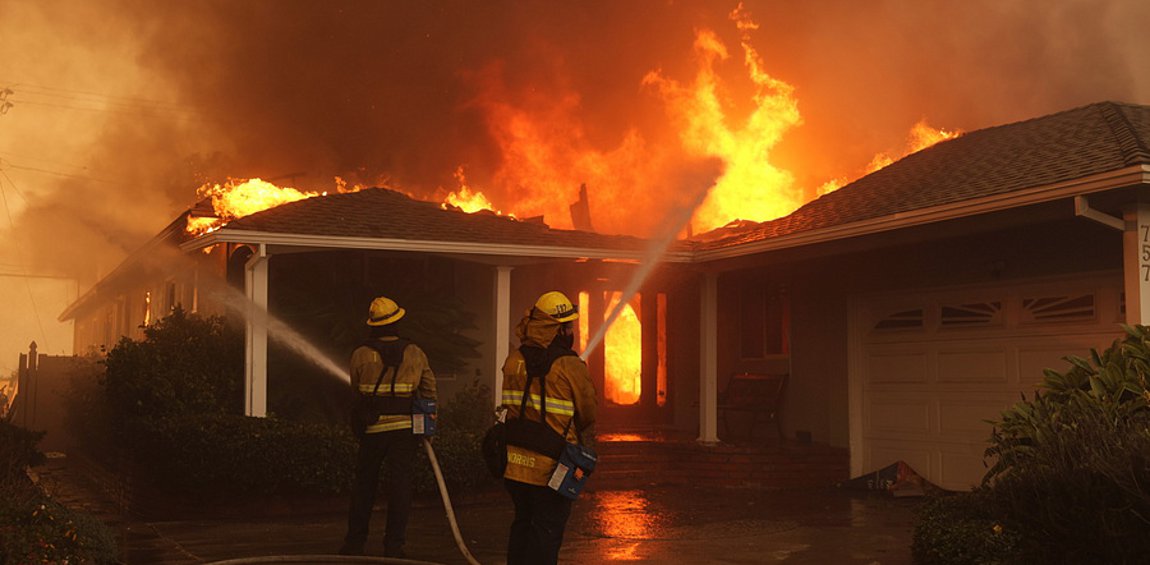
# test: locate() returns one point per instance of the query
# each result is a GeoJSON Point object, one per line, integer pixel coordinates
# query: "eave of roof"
{"type": "Point", "coordinates": [1128, 176]}
{"type": "Point", "coordinates": [228, 235]}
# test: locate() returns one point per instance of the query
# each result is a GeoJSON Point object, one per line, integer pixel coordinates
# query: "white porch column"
{"type": "Point", "coordinates": [502, 327]}
{"type": "Point", "coordinates": [1136, 263]}
{"type": "Point", "coordinates": [708, 358]}
{"type": "Point", "coordinates": [256, 365]}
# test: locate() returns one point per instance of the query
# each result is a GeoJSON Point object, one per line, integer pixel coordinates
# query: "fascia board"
{"type": "Point", "coordinates": [224, 235]}
{"type": "Point", "coordinates": [1139, 174]}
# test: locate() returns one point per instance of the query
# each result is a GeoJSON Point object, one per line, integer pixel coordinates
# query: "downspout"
{"type": "Point", "coordinates": [1082, 209]}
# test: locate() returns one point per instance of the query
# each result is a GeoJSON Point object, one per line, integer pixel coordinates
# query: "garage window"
{"type": "Point", "coordinates": [972, 315]}
{"type": "Point", "coordinates": [1064, 308]}
{"type": "Point", "coordinates": [902, 320]}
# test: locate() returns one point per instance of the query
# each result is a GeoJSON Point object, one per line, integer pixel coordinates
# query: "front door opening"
{"type": "Point", "coordinates": [623, 362]}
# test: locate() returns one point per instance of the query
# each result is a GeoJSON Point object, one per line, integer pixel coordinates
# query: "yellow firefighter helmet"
{"type": "Point", "coordinates": [556, 305]}
{"type": "Point", "coordinates": [384, 311]}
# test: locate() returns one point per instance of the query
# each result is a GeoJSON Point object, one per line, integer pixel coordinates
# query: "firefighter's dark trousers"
{"type": "Point", "coordinates": [537, 530]}
{"type": "Point", "coordinates": [398, 449]}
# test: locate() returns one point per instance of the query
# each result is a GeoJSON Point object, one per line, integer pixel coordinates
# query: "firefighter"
{"type": "Point", "coordinates": [559, 406]}
{"type": "Point", "coordinates": [386, 372]}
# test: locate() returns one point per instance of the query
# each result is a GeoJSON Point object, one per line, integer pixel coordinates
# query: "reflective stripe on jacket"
{"type": "Point", "coordinates": [415, 377]}
{"type": "Point", "coordinates": [569, 393]}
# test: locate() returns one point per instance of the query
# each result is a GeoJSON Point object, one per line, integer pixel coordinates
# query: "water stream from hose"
{"type": "Point", "coordinates": [676, 222]}
{"type": "Point", "coordinates": [278, 330]}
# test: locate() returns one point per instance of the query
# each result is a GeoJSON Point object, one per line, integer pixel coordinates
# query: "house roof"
{"type": "Point", "coordinates": [995, 164]}
{"type": "Point", "coordinates": [383, 218]}
{"type": "Point", "coordinates": [1093, 148]}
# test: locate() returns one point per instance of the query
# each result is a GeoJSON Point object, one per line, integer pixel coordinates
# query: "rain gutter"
{"type": "Point", "coordinates": [1128, 176]}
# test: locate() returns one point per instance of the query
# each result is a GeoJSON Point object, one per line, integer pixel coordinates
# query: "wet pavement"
{"type": "Point", "coordinates": [656, 524]}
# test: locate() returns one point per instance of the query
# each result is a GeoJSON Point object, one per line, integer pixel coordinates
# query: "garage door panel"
{"type": "Point", "coordinates": [1034, 358]}
{"type": "Point", "coordinates": [897, 367]}
{"type": "Point", "coordinates": [985, 366]}
{"type": "Point", "coordinates": [900, 416]}
{"type": "Point", "coordinates": [967, 419]}
{"type": "Point", "coordinates": [926, 396]}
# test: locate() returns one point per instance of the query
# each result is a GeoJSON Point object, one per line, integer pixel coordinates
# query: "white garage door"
{"type": "Point", "coordinates": [929, 367]}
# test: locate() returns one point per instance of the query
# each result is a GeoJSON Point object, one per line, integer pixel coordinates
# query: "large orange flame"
{"type": "Point", "coordinates": [920, 137]}
{"type": "Point", "coordinates": [238, 198]}
{"type": "Point", "coordinates": [623, 353]}
{"type": "Point", "coordinates": [466, 199]}
{"type": "Point", "coordinates": [751, 188]}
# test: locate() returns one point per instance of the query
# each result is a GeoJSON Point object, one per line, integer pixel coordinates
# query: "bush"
{"type": "Point", "coordinates": [460, 427]}
{"type": "Point", "coordinates": [33, 527]}
{"type": "Point", "coordinates": [1073, 463]}
{"type": "Point", "coordinates": [234, 455]}
{"type": "Point", "coordinates": [176, 399]}
{"type": "Point", "coordinates": [963, 529]}
{"type": "Point", "coordinates": [185, 365]}
{"type": "Point", "coordinates": [18, 450]}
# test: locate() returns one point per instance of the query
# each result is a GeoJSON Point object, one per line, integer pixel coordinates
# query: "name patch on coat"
{"type": "Point", "coordinates": [520, 459]}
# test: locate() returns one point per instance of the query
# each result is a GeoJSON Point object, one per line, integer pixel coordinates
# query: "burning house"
{"type": "Point", "coordinates": [907, 307]}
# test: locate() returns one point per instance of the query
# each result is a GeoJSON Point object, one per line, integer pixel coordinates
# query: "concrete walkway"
{"type": "Point", "coordinates": [648, 525]}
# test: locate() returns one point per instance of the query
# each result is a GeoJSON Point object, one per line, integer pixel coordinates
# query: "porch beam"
{"type": "Point", "coordinates": [502, 327]}
{"type": "Point", "coordinates": [708, 358]}
{"type": "Point", "coordinates": [256, 347]}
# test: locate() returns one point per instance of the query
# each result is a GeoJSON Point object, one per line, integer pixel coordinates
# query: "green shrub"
{"type": "Point", "coordinates": [1072, 469]}
{"type": "Point", "coordinates": [88, 416]}
{"type": "Point", "coordinates": [36, 529]}
{"type": "Point", "coordinates": [186, 364]}
{"type": "Point", "coordinates": [461, 425]}
{"type": "Point", "coordinates": [33, 527]}
{"type": "Point", "coordinates": [232, 455]}
{"type": "Point", "coordinates": [963, 529]}
{"type": "Point", "coordinates": [176, 399]}
{"type": "Point", "coordinates": [18, 450]}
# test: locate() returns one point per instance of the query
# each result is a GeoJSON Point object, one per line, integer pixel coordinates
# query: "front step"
{"type": "Point", "coordinates": [633, 462]}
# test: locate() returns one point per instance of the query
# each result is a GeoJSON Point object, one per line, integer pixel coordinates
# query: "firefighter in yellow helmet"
{"type": "Point", "coordinates": [387, 371]}
{"type": "Point", "coordinates": [544, 381]}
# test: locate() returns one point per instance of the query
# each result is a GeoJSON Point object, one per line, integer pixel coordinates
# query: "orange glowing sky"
{"type": "Point", "coordinates": [129, 106]}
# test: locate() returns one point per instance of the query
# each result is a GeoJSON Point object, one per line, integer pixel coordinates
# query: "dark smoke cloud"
{"type": "Point", "coordinates": [383, 90]}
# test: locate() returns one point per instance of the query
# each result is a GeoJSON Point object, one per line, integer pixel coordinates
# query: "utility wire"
{"type": "Point", "coordinates": [57, 173]}
{"type": "Point", "coordinates": [90, 101]}
{"type": "Point", "coordinates": [51, 90]}
{"type": "Point", "coordinates": [140, 112]}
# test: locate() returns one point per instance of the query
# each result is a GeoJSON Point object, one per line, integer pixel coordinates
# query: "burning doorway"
{"type": "Point", "coordinates": [630, 369]}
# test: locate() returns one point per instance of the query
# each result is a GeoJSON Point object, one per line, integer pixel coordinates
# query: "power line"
{"type": "Point", "coordinates": [43, 160]}
{"type": "Point", "coordinates": [46, 171]}
{"type": "Point", "coordinates": [51, 90]}
{"type": "Point", "coordinates": [81, 100]}
{"type": "Point", "coordinates": [139, 112]}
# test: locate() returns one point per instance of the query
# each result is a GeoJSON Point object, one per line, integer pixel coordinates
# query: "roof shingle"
{"type": "Point", "coordinates": [1073, 144]}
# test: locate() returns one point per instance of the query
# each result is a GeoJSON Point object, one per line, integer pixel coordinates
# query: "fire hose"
{"type": "Point", "coordinates": [447, 503]}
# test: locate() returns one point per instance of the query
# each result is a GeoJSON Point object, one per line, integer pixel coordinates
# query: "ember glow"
{"type": "Point", "coordinates": [466, 199]}
{"type": "Point", "coordinates": [236, 199]}
{"type": "Point", "coordinates": [623, 353]}
{"type": "Point", "coordinates": [921, 136]}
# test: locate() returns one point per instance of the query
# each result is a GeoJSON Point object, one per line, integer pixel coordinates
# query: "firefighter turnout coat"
{"type": "Point", "coordinates": [570, 394]}
{"type": "Point", "coordinates": [414, 378]}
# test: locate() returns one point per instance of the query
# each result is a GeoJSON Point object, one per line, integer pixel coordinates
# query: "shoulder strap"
{"type": "Point", "coordinates": [391, 355]}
